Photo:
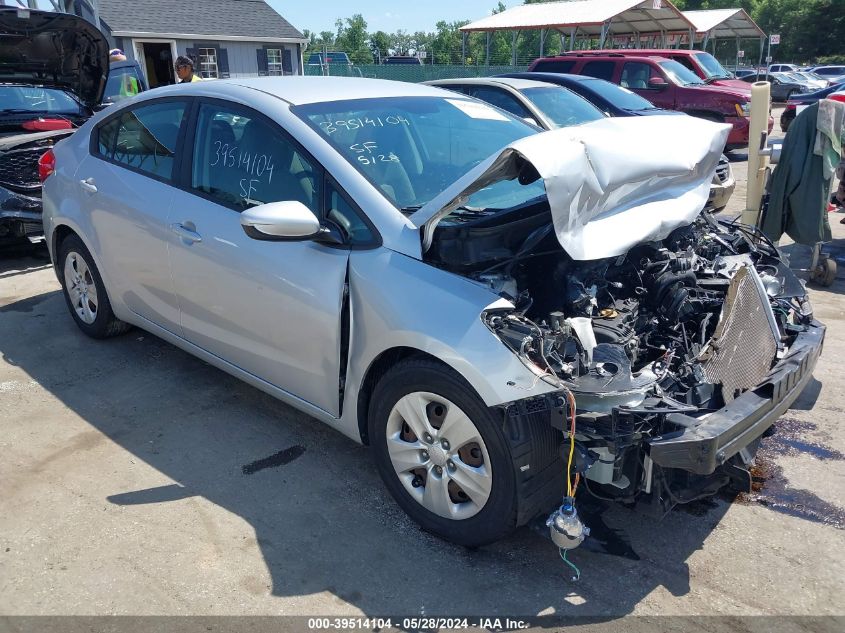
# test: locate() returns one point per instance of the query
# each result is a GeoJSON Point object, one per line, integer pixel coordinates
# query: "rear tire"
{"type": "Point", "coordinates": [441, 453]}
{"type": "Point", "coordinates": [85, 294]}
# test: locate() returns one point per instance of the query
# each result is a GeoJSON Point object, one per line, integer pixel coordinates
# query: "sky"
{"type": "Point", "coordinates": [383, 15]}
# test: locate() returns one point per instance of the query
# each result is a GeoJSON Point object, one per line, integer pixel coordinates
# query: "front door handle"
{"type": "Point", "coordinates": [88, 185]}
{"type": "Point", "coordinates": [185, 233]}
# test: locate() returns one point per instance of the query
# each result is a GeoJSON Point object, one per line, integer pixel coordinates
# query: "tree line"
{"type": "Point", "coordinates": [810, 30]}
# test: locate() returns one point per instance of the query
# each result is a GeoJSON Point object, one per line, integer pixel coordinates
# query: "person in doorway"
{"type": "Point", "coordinates": [185, 70]}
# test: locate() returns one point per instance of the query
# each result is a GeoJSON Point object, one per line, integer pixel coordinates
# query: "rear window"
{"type": "Point", "coordinates": [599, 70]}
{"type": "Point", "coordinates": [617, 95]}
{"type": "Point", "coordinates": [563, 107]}
{"type": "Point", "coordinates": [554, 66]}
{"type": "Point", "coordinates": [25, 99]}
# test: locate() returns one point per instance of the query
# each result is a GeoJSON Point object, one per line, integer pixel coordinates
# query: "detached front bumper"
{"type": "Point", "coordinates": [706, 444]}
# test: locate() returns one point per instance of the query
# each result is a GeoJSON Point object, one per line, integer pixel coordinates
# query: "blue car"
{"type": "Point", "coordinates": [608, 97]}
{"type": "Point", "coordinates": [809, 98]}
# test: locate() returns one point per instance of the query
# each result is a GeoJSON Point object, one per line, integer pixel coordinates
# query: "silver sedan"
{"type": "Point", "coordinates": [499, 313]}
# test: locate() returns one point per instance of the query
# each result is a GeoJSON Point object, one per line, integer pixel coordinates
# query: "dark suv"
{"type": "Point", "coordinates": [53, 72]}
{"type": "Point", "coordinates": [665, 83]}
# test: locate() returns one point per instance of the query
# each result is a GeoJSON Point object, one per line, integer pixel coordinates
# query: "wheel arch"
{"type": "Point", "coordinates": [60, 233]}
{"type": "Point", "coordinates": [379, 366]}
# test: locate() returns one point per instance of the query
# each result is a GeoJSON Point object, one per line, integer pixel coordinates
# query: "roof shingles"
{"type": "Point", "coordinates": [243, 18]}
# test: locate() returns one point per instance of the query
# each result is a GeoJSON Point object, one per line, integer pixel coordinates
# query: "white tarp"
{"type": "Point", "coordinates": [611, 184]}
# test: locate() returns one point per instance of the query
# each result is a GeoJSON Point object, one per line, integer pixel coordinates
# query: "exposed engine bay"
{"type": "Point", "coordinates": [679, 326]}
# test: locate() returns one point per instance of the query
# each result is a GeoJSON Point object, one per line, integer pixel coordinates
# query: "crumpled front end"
{"type": "Point", "coordinates": [610, 184]}
{"type": "Point", "coordinates": [674, 340]}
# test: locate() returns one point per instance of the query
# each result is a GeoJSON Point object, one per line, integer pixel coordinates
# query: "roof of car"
{"type": "Point", "coordinates": [512, 82]}
{"type": "Point", "coordinates": [299, 90]}
{"type": "Point", "coordinates": [641, 55]}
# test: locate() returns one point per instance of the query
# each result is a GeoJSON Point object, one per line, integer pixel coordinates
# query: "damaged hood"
{"type": "Point", "coordinates": [47, 48]}
{"type": "Point", "coordinates": [611, 184]}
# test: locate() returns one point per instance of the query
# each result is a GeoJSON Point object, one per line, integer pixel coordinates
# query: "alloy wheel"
{"type": "Point", "coordinates": [81, 288]}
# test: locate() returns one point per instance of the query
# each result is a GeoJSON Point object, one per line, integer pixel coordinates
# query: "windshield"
{"type": "Point", "coordinates": [563, 107]}
{"type": "Point", "coordinates": [681, 75]}
{"type": "Point", "coordinates": [24, 99]}
{"type": "Point", "coordinates": [618, 96]}
{"type": "Point", "coordinates": [411, 148]}
{"type": "Point", "coordinates": [122, 84]}
{"type": "Point", "coordinates": [712, 68]}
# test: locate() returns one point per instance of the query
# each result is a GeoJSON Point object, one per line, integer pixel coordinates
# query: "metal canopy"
{"type": "Point", "coordinates": [598, 18]}
{"type": "Point", "coordinates": [720, 23]}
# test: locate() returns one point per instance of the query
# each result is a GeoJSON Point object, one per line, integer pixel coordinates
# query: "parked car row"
{"type": "Point", "coordinates": [667, 83]}
{"type": "Point", "coordinates": [554, 100]}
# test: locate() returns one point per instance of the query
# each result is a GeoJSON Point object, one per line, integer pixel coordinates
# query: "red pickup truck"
{"type": "Point", "coordinates": [704, 65]}
{"type": "Point", "coordinates": [666, 83]}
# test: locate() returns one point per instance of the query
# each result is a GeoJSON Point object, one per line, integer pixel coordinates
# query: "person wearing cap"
{"type": "Point", "coordinates": [116, 55]}
{"type": "Point", "coordinates": [185, 70]}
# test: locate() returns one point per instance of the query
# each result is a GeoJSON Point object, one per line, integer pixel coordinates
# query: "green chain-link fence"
{"type": "Point", "coordinates": [410, 72]}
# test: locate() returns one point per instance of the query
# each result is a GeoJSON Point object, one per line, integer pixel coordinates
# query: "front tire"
{"type": "Point", "coordinates": [442, 454]}
{"type": "Point", "coordinates": [84, 292]}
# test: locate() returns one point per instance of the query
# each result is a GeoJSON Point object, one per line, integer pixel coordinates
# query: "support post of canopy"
{"type": "Point", "coordinates": [514, 38]}
{"type": "Point", "coordinates": [605, 27]}
{"type": "Point", "coordinates": [487, 59]}
{"type": "Point", "coordinates": [464, 48]}
{"type": "Point", "coordinates": [572, 32]}
{"type": "Point", "coordinates": [542, 42]}
{"type": "Point", "coordinates": [738, 44]}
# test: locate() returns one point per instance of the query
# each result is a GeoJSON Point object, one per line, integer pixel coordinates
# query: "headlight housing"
{"type": "Point", "coordinates": [743, 109]}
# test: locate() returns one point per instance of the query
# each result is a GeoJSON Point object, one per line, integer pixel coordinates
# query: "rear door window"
{"type": "Point", "coordinates": [599, 70]}
{"type": "Point", "coordinates": [555, 66]}
{"type": "Point", "coordinates": [144, 138]}
{"type": "Point", "coordinates": [241, 160]}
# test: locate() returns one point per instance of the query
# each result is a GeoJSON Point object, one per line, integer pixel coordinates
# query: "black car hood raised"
{"type": "Point", "coordinates": [53, 49]}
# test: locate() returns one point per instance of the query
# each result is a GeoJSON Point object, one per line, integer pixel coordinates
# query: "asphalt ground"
{"type": "Point", "coordinates": [136, 479]}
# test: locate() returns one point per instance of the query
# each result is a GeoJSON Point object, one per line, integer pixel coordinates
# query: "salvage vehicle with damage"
{"type": "Point", "coordinates": [53, 69]}
{"type": "Point", "coordinates": [508, 317]}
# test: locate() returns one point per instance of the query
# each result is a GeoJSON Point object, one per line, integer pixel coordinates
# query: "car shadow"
{"type": "Point", "coordinates": [21, 259]}
{"type": "Point", "coordinates": [322, 518]}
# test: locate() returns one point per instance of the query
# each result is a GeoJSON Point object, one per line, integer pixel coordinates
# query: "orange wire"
{"type": "Point", "coordinates": [570, 490]}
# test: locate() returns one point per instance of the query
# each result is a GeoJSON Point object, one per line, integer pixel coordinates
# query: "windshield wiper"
{"type": "Point", "coordinates": [410, 209]}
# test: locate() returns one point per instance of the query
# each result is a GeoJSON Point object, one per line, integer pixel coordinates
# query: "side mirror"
{"type": "Point", "coordinates": [286, 220]}
{"type": "Point", "coordinates": [657, 83]}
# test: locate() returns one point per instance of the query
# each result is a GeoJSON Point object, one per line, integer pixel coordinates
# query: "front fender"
{"type": "Point", "coordinates": [398, 301]}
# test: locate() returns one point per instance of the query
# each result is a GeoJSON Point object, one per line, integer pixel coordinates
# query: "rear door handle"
{"type": "Point", "coordinates": [185, 233]}
{"type": "Point", "coordinates": [88, 185]}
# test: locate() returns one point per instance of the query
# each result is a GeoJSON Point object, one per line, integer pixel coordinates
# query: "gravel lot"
{"type": "Point", "coordinates": [124, 492]}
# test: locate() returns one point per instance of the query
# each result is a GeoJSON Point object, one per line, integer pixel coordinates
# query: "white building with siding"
{"type": "Point", "coordinates": [225, 38]}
